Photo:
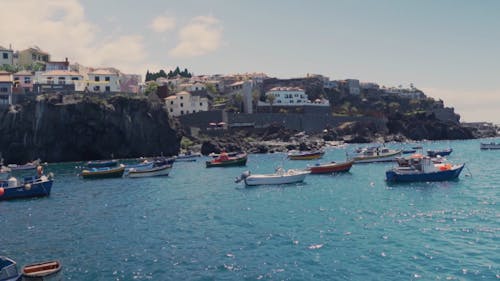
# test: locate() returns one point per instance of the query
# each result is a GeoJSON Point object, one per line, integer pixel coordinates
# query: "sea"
{"type": "Point", "coordinates": [198, 224]}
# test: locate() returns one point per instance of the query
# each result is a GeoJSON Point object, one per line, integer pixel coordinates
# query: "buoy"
{"type": "Point", "coordinates": [27, 186]}
{"type": "Point", "coordinates": [2, 191]}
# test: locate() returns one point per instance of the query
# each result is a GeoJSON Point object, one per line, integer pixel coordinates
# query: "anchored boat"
{"type": "Point", "coordinates": [332, 167]}
{"type": "Point", "coordinates": [279, 177]}
{"type": "Point", "coordinates": [424, 169]}
{"type": "Point", "coordinates": [226, 161]}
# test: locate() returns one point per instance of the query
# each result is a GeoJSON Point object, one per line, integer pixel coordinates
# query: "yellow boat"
{"type": "Point", "coordinates": [101, 173]}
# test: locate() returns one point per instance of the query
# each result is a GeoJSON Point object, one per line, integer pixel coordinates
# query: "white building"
{"type": "Point", "coordinates": [191, 87]}
{"type": "Point", "coordinates": [184, 103]}
{"type": "Point", "coordinates": [6, 56]}
{"type": "Point", "coordinates": [100, 81]}
{"type": "Point", "coordinates": [291, 96]}
{"type": "Point", "coordinates": [61, 77]}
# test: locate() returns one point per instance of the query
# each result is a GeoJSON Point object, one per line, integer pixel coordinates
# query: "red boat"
{"type": "Point", "coordinates": [332, 167]}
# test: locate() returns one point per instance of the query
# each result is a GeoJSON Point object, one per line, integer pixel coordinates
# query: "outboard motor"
{"type": "Point", "coordinates": [242, 177]}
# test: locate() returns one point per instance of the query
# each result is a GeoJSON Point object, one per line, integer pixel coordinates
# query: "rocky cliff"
{"type": "Point", "coordinates": [72, 128]}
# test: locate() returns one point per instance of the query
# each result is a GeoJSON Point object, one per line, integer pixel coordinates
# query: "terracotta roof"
{"type": "Point", "coordinates": [61, 73]}
{"type": "Point", "coordinates": [23, 73]}
{"type": "Point", "coordinates": [171, 97]}
{"type": "Point", "coordinates": [102, 72]}
{"type": "Point", "coordinates": [5, 77]}
{"type": "Point", "coordinates": [36, 50]}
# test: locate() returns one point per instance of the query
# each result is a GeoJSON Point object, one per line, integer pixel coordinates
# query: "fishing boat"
{"type": "Point", "coordinates": [102, 163]}
{"type": "Point", "coordinates": [329, 168]}
{"type": "Point", "coordinates": [442, 152]}
{"type": "Point", "coordinates": [28, 166]}
{"type": "Point", "coordinates": [490, 145]}
{"type": "Point", "coordinates": [228, 161]}
{"type": "Point", "coordinates": [105, 172]}
{"type": "Point", "coordinates": [8, 269]}
{"type": "Point", "coordinates": [305, 155]}
{"type": "Point", "coordinates": [187, 157]}
{"type": "Point", "coordinates": [44, 271]}
{"type": "Point", "coordinates": [374, 154]}
{"type": "Point", "coordinates": [35, 186]}
{"type": "Point", "coordinates": [279, 177]}
{"type": "Point", "coordinates": [149, 171]}
{"type": "Point", "coordinates": [424, 169]}
{"type": "Point", "coordinates": [230, 154]}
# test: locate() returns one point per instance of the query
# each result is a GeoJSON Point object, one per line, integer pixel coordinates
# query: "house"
{"type": "Point", "coordinates": [6, 56]}
{"type": "Point", "coordinates": [57, 65]}
{"type": "Point", "coordinates": [62, 81]}
{"type": "Point", "coordinates": [191, 87]}
{"type": "Point", "coordinates": [33, 55]}
{"type": "Point", "coordinates": [5, 88]}
{"type": "Point", "coordinates": [23, 81]}
{"type": "Point", "coordinates": [291, 96]}
{"type": "Point", "coordinates": [184, 103]}
{"type": "Point", "coordinates": [100, 81]}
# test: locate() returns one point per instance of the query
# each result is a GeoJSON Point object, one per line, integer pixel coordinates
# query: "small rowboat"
{"type": "Point", "coordinates": [42, 271]}
{"type": "Point", "coordinates": [149, 171]}
{"type": "Point", "coordinates": [100, 173]}
{"type": "Point", "coordinates": [226, 161]}
{"type": "Point", "coordinates": [443, 152]}
{"type": "Point", "coordinates": [305, 155]}
{"type": "Point", "coordinates": [102, 163]}
{"type": "Point", "coordinates": [332, 167]}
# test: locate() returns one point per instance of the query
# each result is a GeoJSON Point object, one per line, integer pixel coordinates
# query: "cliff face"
{"type": "Point", "coordinates": [57, 129]}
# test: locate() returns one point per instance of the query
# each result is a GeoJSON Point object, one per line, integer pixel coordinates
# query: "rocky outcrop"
{"type": "Point", "coordinates": [71, 128]}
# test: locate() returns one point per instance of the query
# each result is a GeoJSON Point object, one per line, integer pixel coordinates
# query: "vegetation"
{"type": "Point", "coordinates": [150, 88]}
{"type": "Point", "coordinates": [151, 76]}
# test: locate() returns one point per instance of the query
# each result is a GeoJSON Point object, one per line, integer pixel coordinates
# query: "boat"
{"type": "Point", "coordinates": [8, 270]}
{"type": "Point", "coordinates": [28, 166]}
{"type": "Point", "coordinates": [279, 177]}
{"type": "Point", "coordinates": [34, 186]}
{"type": "Point", "coordinates": [187, 157]}
{"type": "Point", "coordinates": [408, 151]}
{"type": "Point", "coordinates": [149, 171]}
{"type": "Point", "coordinates": [406, 161]}
{"type": "Point", "coordinates": [227, 161]}
{"type": "Point", "coordinates": [424, 169]}
{"type": "Point", "coordinates": [43, 271]}
{"type": "Point", "coordinates": [374, 154]}
{"type": "Point", "coordinates": [105, 172]}
{"type": "Point", "coordinates": [442, 152]}
{"type": "Point", "coordinates": [230, 154]}
{"type": "Point", "coordinates": [305, 155]}
{"type": "Point", "coordinates": [4, 172]}
{"type": "Point", "coordinates": [491, 145]}
{"type": "Point", "coordinates": [329, 168]}
{"type": "Point", "coordinates": [102, 163]}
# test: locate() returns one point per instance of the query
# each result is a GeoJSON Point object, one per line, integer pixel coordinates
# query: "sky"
{"type": "Point", "coordinates": [450, 49]}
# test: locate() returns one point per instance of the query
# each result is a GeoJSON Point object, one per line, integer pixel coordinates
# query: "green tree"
{"type": "Point", "coordinates": [211, 88]}
{"type": "Point", "coordinates": [238, 101]}
{"type": "Point", "coordinates": [270, 99]}
{"type": "Point", "coordinates": [151, 88]}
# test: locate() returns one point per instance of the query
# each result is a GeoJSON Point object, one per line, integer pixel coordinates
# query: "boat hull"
{"type": "Point", "coordinates": [27, 190]}
{"type": "Point", "coordinates": [101, 173]}
{"type": "Point", "coordinates": [331, 168]}
{"type": "Point", "coordinates": [227, 163]}
{"type": "Point", "coordinates": [306, 156]}
{"type": "Point", "coordinates": [273, 179]}
{"type": "Point", "coordinates": [150, 172]}
{"type": "Point", "coordinates": [488, 146]}
{"type": "Point", "coordinates": [400, 176]}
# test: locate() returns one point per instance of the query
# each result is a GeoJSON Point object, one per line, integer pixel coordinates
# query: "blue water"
{"type": "Point", "coordinates": [197, 224]}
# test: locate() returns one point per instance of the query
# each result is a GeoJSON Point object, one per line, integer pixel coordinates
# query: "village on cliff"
{"type": "Point", "coordinates": [213, 104]}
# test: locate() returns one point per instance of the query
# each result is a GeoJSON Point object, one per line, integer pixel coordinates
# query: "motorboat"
{"type": "Point", "coordinates": [279, 177]}
{"type": "Point", "coordinates": [374, 154]}
{"type": "Point", "coordinates": [225, 160]}
{"type": "Point", "coordinates": [424, 169]}
{"type": "Point", "coordinates": [104, 172]}
{"type": "Point", "coordinates": [149, 171]}
{"type": "Point", "coordinates": [34, 186]}
{"type": "Point", "coordinates": [8, 269]}
{"type": "Point", "coordinates": [491, 145]}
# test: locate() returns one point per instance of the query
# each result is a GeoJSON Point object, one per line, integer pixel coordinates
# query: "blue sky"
{"type": "Point", "coordinates": [448, 48]}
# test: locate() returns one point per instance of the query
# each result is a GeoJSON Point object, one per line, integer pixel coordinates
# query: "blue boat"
{"type": "Point", "coordinates": [36, 186]}
{"type": "Point", "coordinates": [424, 169]}
{"type": "Point", "coordinates": [443, 152]}
{"type": "Point", "coordinates": [102, 163]}
{"type": "Point", "coordinates": [8, 270]}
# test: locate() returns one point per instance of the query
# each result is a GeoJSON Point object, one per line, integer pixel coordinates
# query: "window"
{"type": "Point", "coordinates": [182, 97]}
{"type": "Point", "coordinates": [296, 95]}
{"type": "Point", "coordinates": [106, 78]}
{"type": "Point", "coordinates": [171, 110]}
{"type": "Point", "coordinates": [5, 55]}
{"type": "Point", "coordinates": [4, 90]}
{"type": "Point", "coordinates": [279, 101]}
{"type": "Point", "coordinates": [96, 79]}
{"type": "Point", "coordinates": [171, 102]}
{"type": "Point", "coordinates": [194, 111]}
{"type": "Point", "coordinates": [61, 80]}
{"type": "Point", "coordinates": [201, 104]}
{"type": "Point", "coordinates": [49, 80]}
{"type": "Point", "coordinates": [27, 80]}
{"type": "Point", "coordinates": [182, 105]}
{"type": "Point", "coordinates": [182, 112]}
{"type": "Point", "coordinates": [97, 88]}
{"type": "Point", "coordinates": [108, 89]}
{"type": "Point", "coordinates": [74, 78]}
{"type": "Point", "coordinates": [33, 56]}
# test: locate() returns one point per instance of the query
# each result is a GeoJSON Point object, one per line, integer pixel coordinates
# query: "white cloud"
{"type": "Point", "coordinates": [60, 28]}
{"type": "Point", "coordinates": [201, 36]}
{"type": "Point", "coordinates": [162, 24]}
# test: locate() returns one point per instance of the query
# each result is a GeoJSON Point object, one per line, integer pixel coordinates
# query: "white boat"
{"type": "Point", "coordinates": [375, 154]}
{"type": "Point", "coordinates": [187, 157]}
{"type": "Point", "coordinates": [279, 177]}
{"type": "Point", "coordinates": [149, 172]}
{"type": "Point", "coordinates": [490, 145]}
